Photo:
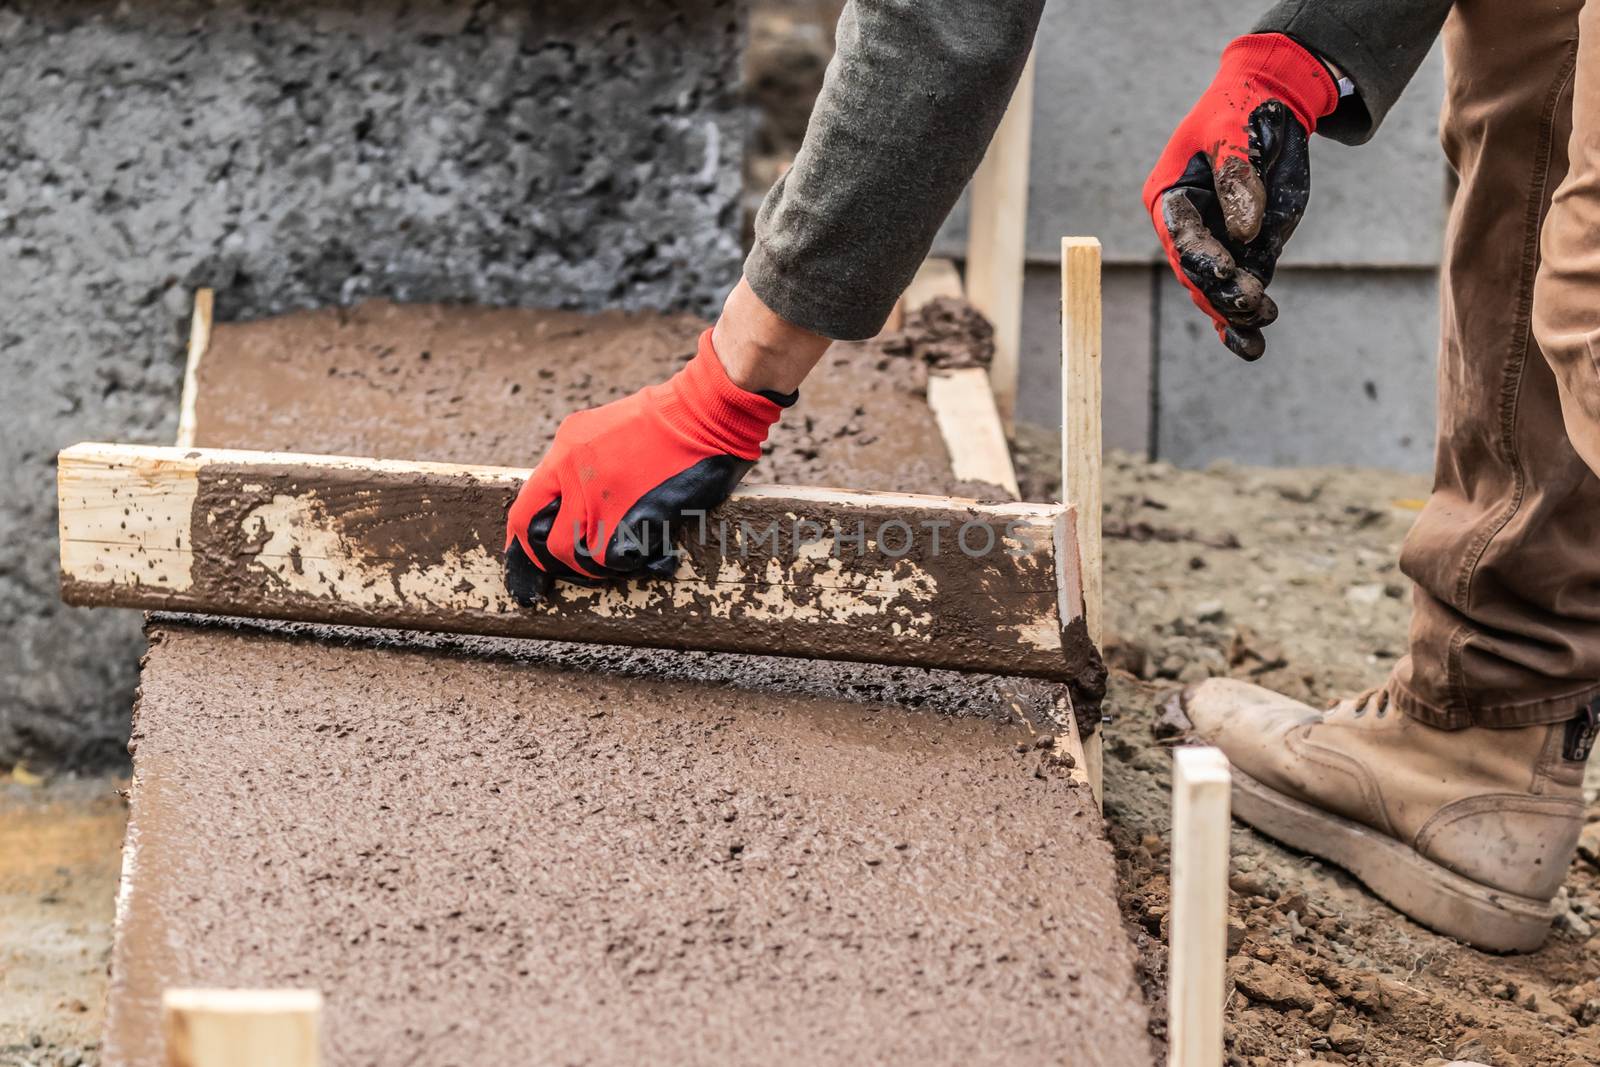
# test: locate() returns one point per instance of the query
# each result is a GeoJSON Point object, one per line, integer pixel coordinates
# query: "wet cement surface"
{"type": "Point", "coordinates": [520, 851]}
{"type": "Point", "coordinates": [490, 385]}
{"type": "Point", "coordinates": [496, 862]}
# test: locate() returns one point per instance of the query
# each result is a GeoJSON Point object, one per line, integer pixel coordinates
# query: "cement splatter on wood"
{"type": "Point", "coordinates": [890, 578]}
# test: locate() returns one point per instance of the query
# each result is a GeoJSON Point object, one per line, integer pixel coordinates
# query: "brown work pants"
{"type": "Point", "coordinates": [1505, 629]}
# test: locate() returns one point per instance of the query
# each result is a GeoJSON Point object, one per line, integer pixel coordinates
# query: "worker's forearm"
{"type": "Point", "coordinates": [909, 104]}
{"type": "Point", "coordinates": [1378, 44]}
{"type": "Point", "coordinates": [759, 349]}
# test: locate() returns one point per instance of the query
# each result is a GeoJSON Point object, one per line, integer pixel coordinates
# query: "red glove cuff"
{"type": "Point", "coordinates": [1275, 66]}
{"type": "Point", "coordinates": [702, 403]}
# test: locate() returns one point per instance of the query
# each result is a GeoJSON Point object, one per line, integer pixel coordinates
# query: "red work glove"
{"type": "Point", "coordinates": [1235, 178]}
{"type": "Point", "coordinates": [610, 494]}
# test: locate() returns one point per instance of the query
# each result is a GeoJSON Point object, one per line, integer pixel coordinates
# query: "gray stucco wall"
{"type": "Point", "coordinates": [293, 154]}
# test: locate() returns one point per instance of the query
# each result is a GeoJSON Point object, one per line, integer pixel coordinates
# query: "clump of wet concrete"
{"type": "Point", "coordinates": [946, 333]}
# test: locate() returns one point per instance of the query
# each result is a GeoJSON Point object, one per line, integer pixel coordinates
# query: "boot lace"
{"type": "Point", "coordinates": [1376, 697]}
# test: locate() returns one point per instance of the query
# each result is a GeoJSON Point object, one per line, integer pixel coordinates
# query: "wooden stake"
{"type": "Point", "coordinates": [1069, 741]}
{"type": "Point", "coordinates": [1081, 433]}
{"type": "Point", "coordinates": [997, 239]}
{"type": "Point", "coordinates": [199, 341]}
{"type": "Point", "coordinates": [1080, 408]}
{"type": "Point", "coordinates": [241, 1027]}
{"type": "Point", "coordinates": [777, 570]}
{"type": "Point", "coordinates": [1197, 961]}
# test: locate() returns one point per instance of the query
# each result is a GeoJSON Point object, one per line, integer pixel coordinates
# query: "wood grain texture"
{"type": "Point", "coordinates": [1080, 407]}
{"type": "Point", "coordinates": [242, 1027]}
{"type": "Point", "coordinates": [1201, 802]}
{"type": "Point", "coordinates": [1081, 434]}
{"type": "Point", "coordinates": [199, 341]}
{"type": "Point", "coordinates": [875, 577]}
{"type": "Point", "coordinates": [969, 422]}
{"type": "Point", "coordinates": [996, 239]}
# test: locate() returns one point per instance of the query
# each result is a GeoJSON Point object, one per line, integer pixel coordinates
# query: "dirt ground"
{"type": "Point", "coordinates": [1285, 577]}
{"type": "Point", "coordinates": [60, 852]}
{"type": "Point", "coordinates": [1288, 578]}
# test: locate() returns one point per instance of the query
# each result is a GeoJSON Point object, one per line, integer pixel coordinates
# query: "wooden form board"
{"type": "Point", "coordinates": [962, 400]}
{"type": "Point", "coordinates": [241, 1027]}
{"type": "Point", "coordinates": [777, 570]}
{"type": "Point", "coordinates": [1081, 432]}
{"type": "Point", "coordinates": [199, 341]}
{"type": "Point", "coordinates": [997, 225]}
{"type": "Point", "coordinates": [1196, 972]}
{"type": "Point", "coordinates": [934, 279]}
{"type": "Point", "coordinates": [963, 406]}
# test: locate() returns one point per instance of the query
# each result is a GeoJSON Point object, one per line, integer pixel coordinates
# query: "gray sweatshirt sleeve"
{"type": "Point", "coordinates": [910, 101]}
{"type": "Point", "coordinates": [1379, 44]}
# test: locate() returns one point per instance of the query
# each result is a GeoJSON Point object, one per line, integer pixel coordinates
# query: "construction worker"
{"type": "Point", "coordinates": [907, 109]}
{"type": "Point", "coordinates": [1454, 788]}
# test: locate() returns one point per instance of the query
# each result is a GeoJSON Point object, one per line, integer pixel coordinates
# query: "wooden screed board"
{"type": "Point", "coordinates": [777, 570]}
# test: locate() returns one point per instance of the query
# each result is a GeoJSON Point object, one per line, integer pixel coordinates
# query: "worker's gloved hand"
{"type": "Point", "coordinates": [607, 498]}
{"type": "Point", "coordinates": [1235, 178]}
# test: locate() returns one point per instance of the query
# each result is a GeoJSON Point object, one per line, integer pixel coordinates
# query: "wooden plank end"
{"type": "Point", "coordinates": [199, 341]}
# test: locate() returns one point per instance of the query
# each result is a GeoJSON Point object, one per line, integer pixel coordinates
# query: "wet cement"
{"type": "Point", "coordinates": [498, 862]}
{"type": "Point", "coordinates": [526, 851]}
{"type": "Point", "coordinates": [490, 385]}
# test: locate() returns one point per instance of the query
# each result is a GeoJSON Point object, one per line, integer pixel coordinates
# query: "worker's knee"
{"type": "Point", "coordinates": [1565, 320]}
{"type": "Point", "coordinates": [1566, 325]}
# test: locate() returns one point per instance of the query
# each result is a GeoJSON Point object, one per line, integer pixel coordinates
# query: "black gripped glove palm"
{"type": "Point", "coordinates": [1235, 178]}
{"type": "Point", "coordinates": [615, 486]}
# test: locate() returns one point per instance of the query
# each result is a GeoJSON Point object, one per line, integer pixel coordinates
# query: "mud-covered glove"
{"type": "Point", "coordinates": [1235, 178]}
{"type": "Point", "coordinates": [606, 500]}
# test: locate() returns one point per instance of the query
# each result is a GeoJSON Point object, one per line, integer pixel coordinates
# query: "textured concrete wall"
{"type": "Point", "coordinates": [561, 153]}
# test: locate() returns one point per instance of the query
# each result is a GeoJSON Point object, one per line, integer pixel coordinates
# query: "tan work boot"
{"type": "Point", "coordinates": [1467, 831]}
